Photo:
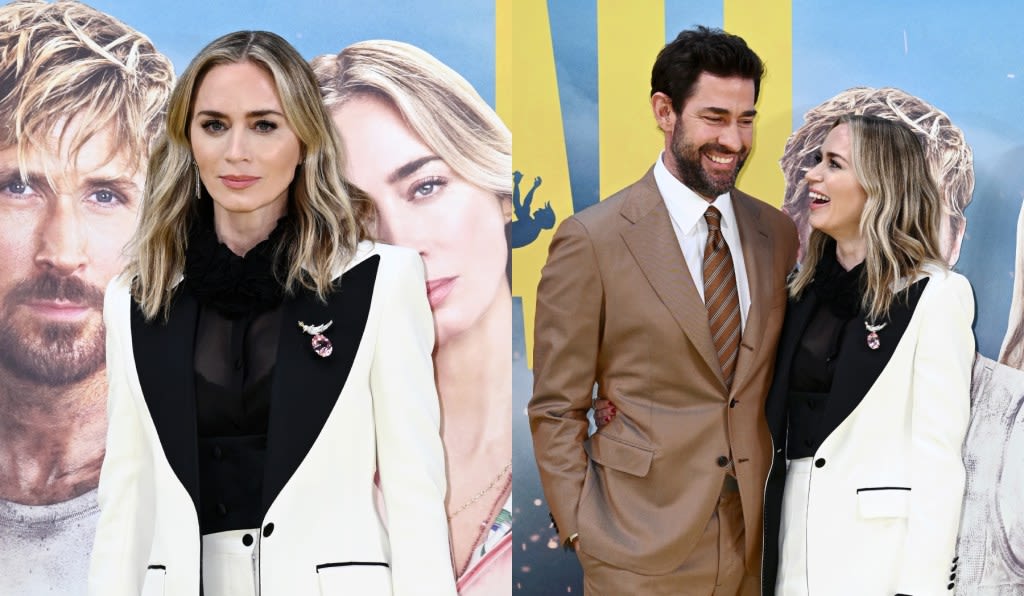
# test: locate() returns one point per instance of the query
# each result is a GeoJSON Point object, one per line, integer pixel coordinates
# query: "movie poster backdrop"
{"type": "Point", "coordinates": [79, 105]}
{"type": "Point", "coordinates": [584, 130]}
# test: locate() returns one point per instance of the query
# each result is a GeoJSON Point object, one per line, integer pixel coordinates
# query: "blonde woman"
{"type": "Point", "coordinates": [869, 405]}
{"type": "Point", "coordinates": [267, 360]}
{"type": "Point", "coordinates": [950, 158]}
{"type": "Point", "coordinates": [437, 162]}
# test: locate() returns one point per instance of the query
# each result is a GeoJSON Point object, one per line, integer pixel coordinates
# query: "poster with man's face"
{"type": "Point", "coordinates": [82, 93]}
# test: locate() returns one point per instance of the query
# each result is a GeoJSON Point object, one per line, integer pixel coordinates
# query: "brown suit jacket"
{"type": "Point", "coordinates": [616, 305]}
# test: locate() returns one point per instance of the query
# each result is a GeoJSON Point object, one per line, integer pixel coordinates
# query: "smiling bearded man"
{"type": "Point", "coordinates": [670, 296]}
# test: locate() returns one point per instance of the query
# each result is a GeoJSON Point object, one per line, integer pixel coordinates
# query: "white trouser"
{"type": "Point", "coordinates": [230, 568]}
{"type": "Point", "coordinates": [792, 577]}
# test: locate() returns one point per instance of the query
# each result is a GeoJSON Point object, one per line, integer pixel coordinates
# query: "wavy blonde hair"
{"type": "Point", "coordinates": [436, 102]}
{"type": "Point", "coordinates": [950, 158]}
{"type": "Point", "coordinates": [67, 60]}
{"type": "Point", "coordinates": [327, 219]}
{"type": "Point", "coordinates": [901, 218]}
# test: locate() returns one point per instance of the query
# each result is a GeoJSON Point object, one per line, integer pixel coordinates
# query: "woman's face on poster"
{"type": "Point", "coordinates": [458, 228]}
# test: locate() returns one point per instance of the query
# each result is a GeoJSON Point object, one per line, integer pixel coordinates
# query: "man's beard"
{"type": "Point", "coordinates": [691, 171]}
{"type": "Point", "coordinates": [48, 352]}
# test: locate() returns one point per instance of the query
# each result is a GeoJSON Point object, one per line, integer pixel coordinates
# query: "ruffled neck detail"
{"type": "Point", "coordinates": [232, 285]}
{"type": "Point", "coordinates": [836, 287]}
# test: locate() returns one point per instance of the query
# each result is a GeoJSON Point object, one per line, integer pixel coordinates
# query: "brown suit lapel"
{"type": "Point", "coordinates": [757, 256]}
{"type": "Point", "coordinates": [653, 244]}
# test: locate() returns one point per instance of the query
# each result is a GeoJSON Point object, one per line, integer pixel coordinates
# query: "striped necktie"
{"type": "Point", "coordinates": [720, 296]}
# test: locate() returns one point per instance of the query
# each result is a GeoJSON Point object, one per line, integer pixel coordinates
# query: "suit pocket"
{"type": "Point", "coordinates": [153, 584]}
{"type": "Point", "coordinates": [619, 455]}
{"type": "Point", "coordinates": [883, 501]}
{"type": "Point", "coordinates": [354, 578]}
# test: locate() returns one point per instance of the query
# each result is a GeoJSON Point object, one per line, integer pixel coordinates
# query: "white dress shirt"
{"type": "Point", "coordinates": [686, 208]}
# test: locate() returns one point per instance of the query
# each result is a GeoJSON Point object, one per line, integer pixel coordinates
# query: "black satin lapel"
{"type": "Point", "coordinates": [306, 386]}
{"type": "Point", "coordinates": [798, 315]}
{"type": "Point", "coordinates": [860, 366]}
{"type": "Point", "coordinates": [164, 359]}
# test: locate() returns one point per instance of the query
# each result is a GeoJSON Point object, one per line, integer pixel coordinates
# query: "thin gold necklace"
{"type": "Point", "coordinates": [480, 494]}
{"type": "Point", "coordinates": [485, 526]}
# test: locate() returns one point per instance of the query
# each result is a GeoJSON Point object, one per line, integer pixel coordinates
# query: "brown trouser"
{"type": "Point", "coordinates": [714, 568]}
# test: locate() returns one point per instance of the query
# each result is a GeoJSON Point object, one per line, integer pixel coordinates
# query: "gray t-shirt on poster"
{"type": "Point", "coordinates": [44, 549]}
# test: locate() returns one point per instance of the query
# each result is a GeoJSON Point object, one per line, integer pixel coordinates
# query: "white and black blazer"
{"type": "Point", "coordinates": [334, 424]}
{"type": "Point", "coordinates": [887, 484]}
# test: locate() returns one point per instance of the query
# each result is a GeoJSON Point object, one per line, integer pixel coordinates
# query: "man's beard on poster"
{"type": "Point", "coordinates": [55, 353]}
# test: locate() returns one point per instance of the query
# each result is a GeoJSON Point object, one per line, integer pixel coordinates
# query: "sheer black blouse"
{"type": "Point", "coordinates": [836, 313]}
{"type": "Point", "coordinates": [235, 354]}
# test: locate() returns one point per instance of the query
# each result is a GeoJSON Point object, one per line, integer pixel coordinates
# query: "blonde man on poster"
{"type": "Point", "coordinates": [80, 94]}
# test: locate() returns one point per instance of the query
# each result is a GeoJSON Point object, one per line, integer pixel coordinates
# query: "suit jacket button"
{"type": "Point", "coordinates": [732, 403]}
{"type": "Point", "coordinates": [247, 540]}
{"type": "Point", "coordinates": [723, 461]}
{"type": "Point", "coordinates": [222, 509]}
{"type": "Point", "coordinates": [268, 530]}
{"type": "Point", "coordinates": [820, 462]}
{"type": "Point", "coordinates": [217, 452]}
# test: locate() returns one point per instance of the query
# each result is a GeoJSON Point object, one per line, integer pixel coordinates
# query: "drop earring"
{"type": "Point", "coordinates": [199, 184]}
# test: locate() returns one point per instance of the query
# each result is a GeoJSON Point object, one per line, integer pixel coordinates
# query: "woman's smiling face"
{"type": "Point", "coordinates": [836, 197]}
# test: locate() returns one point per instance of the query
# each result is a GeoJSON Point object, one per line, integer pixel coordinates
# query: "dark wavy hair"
{"type": "Point", "coordinates": [702, 49]}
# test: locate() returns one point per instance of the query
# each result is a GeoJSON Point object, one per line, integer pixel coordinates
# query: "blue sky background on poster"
{"type": "Point", "coordinates": [458, 32]}
{"type": "Point", "coordinates": [574, 40]}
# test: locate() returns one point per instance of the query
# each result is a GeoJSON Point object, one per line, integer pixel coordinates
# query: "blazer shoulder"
{"type": "Point", "coordinates": [400, 269]}
{"type": "Point", "coordinates": [772, 221]}
{"type": "Point", "coordinates": [639, 196]}
{"type": "Point", "coordinates": [948, 283]}
{"type": "Point", "coordinates": [947, 292]}
{"type": "Point", "coordinates": [392, 258]}
{"type": "Point", "coordinates": [118, 289]}
{"type": "Point", "coordinates": [940, 277]}
{"type": "Point", "coordinates": [770, 212]}
{"type": "Point", "coordinates": [117, 299]}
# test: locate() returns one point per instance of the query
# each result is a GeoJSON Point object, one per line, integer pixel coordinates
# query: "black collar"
{"type": "Point", "coordinates": [234, 286]}
{"type": "Point", "coordinates": [839, 289]}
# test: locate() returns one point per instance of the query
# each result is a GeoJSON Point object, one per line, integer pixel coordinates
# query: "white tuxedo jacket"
{"type": "Point", "coordinates": [334, 424]}
{"type": "Point", "coordinates": [887, 484]}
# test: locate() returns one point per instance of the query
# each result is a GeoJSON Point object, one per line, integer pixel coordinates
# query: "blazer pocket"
{"type": "Point", "coordinates": [883, 501]}
{"type": "Point", "coordinates": [619, 455]}
{"type": "Point", "coordinates": [354, 577]}
{"type": "Point", "coordinates": [153, 583]}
